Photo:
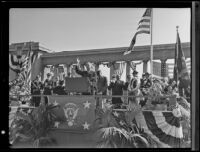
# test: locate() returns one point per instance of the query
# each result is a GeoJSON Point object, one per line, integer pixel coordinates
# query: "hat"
{"type": "Point", "coordinates": [113, 76]}
{"type": "Point", "coordinates": [135, 72]}
{"type": "Point", "coordinates": [98, 71]}
{"type": "Point", "coordinates": [147, 74]}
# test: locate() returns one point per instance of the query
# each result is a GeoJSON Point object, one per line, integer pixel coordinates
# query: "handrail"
{"type": "Point", "coordinates": [101, 96]}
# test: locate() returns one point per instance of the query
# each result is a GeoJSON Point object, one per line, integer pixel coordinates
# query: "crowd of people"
{"type": "Point", "coordinates": [145, 87]}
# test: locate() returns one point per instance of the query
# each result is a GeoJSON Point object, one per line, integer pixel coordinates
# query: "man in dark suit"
{"type": "Point", "coordinates": [59, 90]}
{"type": "Point", "coordinates": [48, 84]}
{"type": "Point", "coordinates": [91, 75]}
{"type": "Point", "coordinates": [117, 89]}
{"type": "Point", "coordinates": [36, 85]}
{"type": "Point", "coordinates": [146, 83]}
{"type": "Point", "coordinates": [102, 83]}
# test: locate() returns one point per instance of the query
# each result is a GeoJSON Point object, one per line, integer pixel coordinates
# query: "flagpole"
{"type": "Point", "coordinates": [151, 35]}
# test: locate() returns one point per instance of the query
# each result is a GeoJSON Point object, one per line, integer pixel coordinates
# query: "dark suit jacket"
{"type": "Point", "coordinates": [102, 85]}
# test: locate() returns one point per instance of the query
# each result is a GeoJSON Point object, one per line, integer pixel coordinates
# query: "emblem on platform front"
{"type": "Point", "coordinates": [71, 111]}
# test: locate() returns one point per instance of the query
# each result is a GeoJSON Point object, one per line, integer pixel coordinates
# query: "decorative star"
{"type": "Point", "coordinates": [86, 104]}
{"type": "Point", "coordinates": [86, 126]}
{"type": "Point", "coordinates": [116, 114]}
{"type": "Point", "coordinates": [56, 124]}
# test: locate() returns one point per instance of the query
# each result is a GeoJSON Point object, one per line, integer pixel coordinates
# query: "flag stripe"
{"type": "Point", "coordinates": [143, 32]}
{"type": "Point", "coordinates": [144, 23]}
{"type": "Point", "coordinates": [144, 26]}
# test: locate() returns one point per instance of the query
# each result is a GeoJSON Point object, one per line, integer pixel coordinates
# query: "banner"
{"type": "Point", "coordinates": [163, 126]}
{"type": "Point", "coordinates": [75, 114]}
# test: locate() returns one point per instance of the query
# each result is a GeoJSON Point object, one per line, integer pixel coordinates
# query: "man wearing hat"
{"type": "Point", "coordinates": [134, 81]}
{"type": "Point", "coordinates": [36, 85]}
{"type": "Point", "coordinates": [145, 84]}
{"type": "Point", "coordinates": [134, 86]}
{"type": "Point", "coordinates": [48, 84]}
{"type": "Point", "coordinates": [117, 87]}
{"type": "Point", "coordinates": [145, 81]}
{"type": "Point", "coordinates": [60, 90]}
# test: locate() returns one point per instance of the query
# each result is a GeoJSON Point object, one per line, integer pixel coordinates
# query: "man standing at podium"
{"type": "Point", "coordinates": [88, 74]}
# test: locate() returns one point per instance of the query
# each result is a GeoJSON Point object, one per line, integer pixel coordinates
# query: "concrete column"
{"type": "Point", "coordinates": [127, 69]}
{"type": "Point", "coordinates": [163, 68]}
{"type": "Point", "coordinates": [68, 69]}
{"type": "Point", "coordinates": [145, 66]}
{"type": "Point", "coordinates": [111, 72]}
{"type": "Point", "coordinates": [42, 73]}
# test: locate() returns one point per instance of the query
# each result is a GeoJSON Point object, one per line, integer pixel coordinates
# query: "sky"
{"type": "Point", "coordinates": [71, 29]}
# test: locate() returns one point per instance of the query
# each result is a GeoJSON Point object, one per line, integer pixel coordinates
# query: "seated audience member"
{"type": "Point", "coordinates": [59, 90]}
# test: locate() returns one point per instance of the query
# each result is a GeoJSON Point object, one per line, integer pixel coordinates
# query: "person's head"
{"type": "Point", "coordinates": [37, 78]}
{"type": "Point", "coordinates": [60, 83]}
{"type": "Point", "coordinates": [117, 77]}
{"type": "Point", "coordinates": [113, 77]}
{"type": "Point", "coordinates": [90, 67]}
{"type": "Point", "coordinates": [99, 73]}
{"type": "Point", "coordinates": [48, 75]}
{"type": "Point", "coordinates": [135, 73]}
{"type": "Point", "coordinates": [68, 74]}
{"type": "Point", "coordinates": [173, 83]}
{"type": "Point", "coordinates": [128, 77]}
{"type": "Point", "coordinates": [146, 75]}
{"type": "Point", "coordinates": [143, 75]}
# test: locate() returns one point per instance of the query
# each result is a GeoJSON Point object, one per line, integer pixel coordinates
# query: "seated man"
{"type": "Point", "coordinates": [117, 89]}
{"type": "Point", "coordinates": [59, 90]}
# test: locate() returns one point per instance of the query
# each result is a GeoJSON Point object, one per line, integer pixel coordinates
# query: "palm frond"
{"type": "Point", "coordinates": [144, 140]}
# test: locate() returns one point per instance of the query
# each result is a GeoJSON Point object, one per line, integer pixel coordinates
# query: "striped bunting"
{"type": "Point", "coordinates": [119, 70]}
{"type": "Point", "coordinates": [143, 27]}
{"type": "Point", "coordinates": [163, 126]}
{"type": "Point", "coordinates": [23, 65]}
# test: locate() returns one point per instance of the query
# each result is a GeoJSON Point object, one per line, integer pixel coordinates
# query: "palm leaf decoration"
{"type": "Point", "coordinates": [33, 127]}
{"type": "Point", "coordinates": [112, 135]}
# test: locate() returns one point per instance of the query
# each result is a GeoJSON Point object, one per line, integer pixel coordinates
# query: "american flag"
{"type": "Point", "coordinates": [143, 27]}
